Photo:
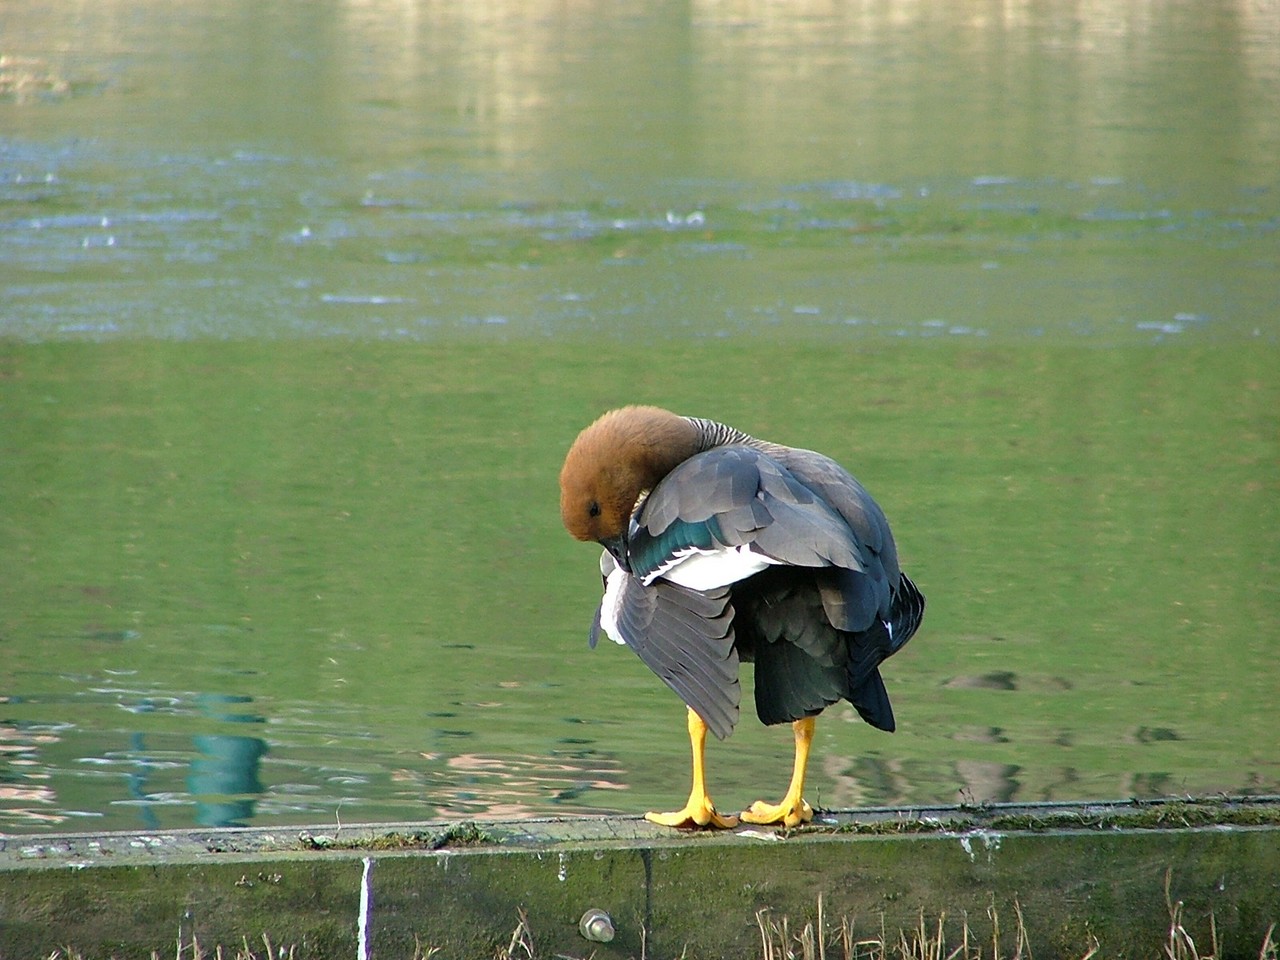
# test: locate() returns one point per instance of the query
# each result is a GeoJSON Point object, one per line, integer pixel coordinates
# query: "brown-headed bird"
{"type": "Point", "coordinates": [721, 548]}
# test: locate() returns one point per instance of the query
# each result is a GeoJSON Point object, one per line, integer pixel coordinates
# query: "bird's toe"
{"type": "Point", "coordinates": [694, 815]}
{"type": "Point", "coordinates": [787, 814]}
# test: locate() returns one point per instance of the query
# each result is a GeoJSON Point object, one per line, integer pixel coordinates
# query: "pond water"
{"type": "Point", "coordinates": [301, 305]}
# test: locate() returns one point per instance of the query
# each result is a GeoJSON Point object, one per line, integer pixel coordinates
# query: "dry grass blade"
{"type": "Point", "coordinates": [926, 939]}
{"type": "Point", "coordinates": [1022, 949]}
{"type": "Point", "coordinates": [822, 932]}
{"type": "Point", "coordinates": [777, 942]}
{"type": "Point", "coordinates": [420, 954]}
{"type": "Point", "coordinates": [1270, 949]}
{"type": "Point", "coordinates": [1179, 945]}
{"type": "Point", "coordinates": [808, 943]}
{"type": "Point", "coordinates": [766, 940]}
{"type": "Point", "coordinates": [521, 938]}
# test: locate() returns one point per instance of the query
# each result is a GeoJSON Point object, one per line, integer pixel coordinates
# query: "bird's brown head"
{"type": "Point", "coordinates": [613, 461]}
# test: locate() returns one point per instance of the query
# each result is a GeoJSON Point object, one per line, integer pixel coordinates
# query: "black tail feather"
{"type": "Point", "coordinates": [872, 647]}
{"type": "Point", "coordinates": [871, 700]}
{"type": "Point", "coordinates": [907, 612]}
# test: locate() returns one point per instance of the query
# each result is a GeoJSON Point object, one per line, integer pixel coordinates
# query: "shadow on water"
{"type": "Point", "coordinates": [301, 309]}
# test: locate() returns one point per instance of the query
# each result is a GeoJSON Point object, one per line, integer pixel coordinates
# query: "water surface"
{"type": "Point", "coordinates": [302, 306]}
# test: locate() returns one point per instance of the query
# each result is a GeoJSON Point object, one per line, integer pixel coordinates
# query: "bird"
{"type": "Point", "coordinates": [720, 549]}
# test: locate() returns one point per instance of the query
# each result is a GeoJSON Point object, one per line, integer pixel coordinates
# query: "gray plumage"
{"type": "Point", "coordinates": [686, 637]}
{"type": "Point", "coordinates": [824, 604]}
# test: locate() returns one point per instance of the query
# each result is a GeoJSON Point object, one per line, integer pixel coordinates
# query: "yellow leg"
{"type": "Point", "coordinates": [793, 810]}
{"type": "Point", "coordinates": [699, 811]}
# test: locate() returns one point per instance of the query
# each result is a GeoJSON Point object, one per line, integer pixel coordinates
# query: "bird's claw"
{"type": "Point", "coordinates": [788, 814]}
{"type": "Point", "coordinates": [696, 813]}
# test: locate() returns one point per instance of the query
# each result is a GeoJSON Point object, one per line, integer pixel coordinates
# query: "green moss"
{"type": "Point", "coordinates": [888, 828]}
{"type": "Point", "coordinates": [1162, 815]}
{"type": "Point", "coordinates": [1148, 817]}
{"type": "Point", "coordinates": [466, 834]}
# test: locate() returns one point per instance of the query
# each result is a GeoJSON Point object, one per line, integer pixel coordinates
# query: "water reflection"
{"type": "Point", "coordinates": [525, 786]}
{"type": "Point", "coordinates": [224, 774]}
{"type": "Point", "coordinates": [219, 777]}
{"type": "Point", "coordinates": [26, 796]}
{"type": "Point", "coordinates": [222, 770]}
{"type": "Point", "coordinates": [226, 767]}
{"type": "Point", "coordinates": [451, 166]}
{"type": "Point", "coordinates": [302, 306]}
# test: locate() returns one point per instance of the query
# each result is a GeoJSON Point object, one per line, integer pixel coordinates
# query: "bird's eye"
{"type": "Point", "coordinates": [594, 509]}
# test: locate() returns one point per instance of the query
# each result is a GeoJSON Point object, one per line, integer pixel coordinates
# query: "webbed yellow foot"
{"type": "Point", "coordinates": [698, 812]}
{"type": "Point", "coordinates": [787, 813]}
{"type": "Point", "coordinates": [792, 810]}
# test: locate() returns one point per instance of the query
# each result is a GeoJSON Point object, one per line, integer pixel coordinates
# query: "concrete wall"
{"type": "Point", "coordinates": [1077, 876]}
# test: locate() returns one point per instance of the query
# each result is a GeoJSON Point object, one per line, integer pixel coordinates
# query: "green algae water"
{"type": "Point", "coordinates": [302, 308]}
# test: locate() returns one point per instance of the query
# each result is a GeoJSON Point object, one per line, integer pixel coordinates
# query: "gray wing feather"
{"type": "Point", "coordinates": [752, 499]}
{"type": "Point", "coordinates": [686, 638]}
{"type": "Point", "coordinates": [848, 498]}
{"type": "Point", "coordinates": [854, 601]}
{"type": "Point", "coordinates": [851, 602]}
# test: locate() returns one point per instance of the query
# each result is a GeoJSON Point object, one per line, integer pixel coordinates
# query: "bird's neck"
{"type": "Point", "coordinates": [711, 433]}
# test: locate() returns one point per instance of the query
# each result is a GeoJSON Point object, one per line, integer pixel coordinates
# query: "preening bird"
{"type": "Point", "coordinates": [721, 548]}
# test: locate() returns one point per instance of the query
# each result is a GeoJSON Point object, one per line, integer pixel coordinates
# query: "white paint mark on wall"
{"type": "Point", "coordinates": [990, 841]}
{"type": "Point", "coordinates": [366, 904]}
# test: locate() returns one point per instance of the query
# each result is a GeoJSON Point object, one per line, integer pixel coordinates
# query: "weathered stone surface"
{"type": "Point", "coordinates": [1076, 873]}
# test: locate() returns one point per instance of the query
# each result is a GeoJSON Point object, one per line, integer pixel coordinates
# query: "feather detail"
{"type": "Point", "coordinates": [686, 638]}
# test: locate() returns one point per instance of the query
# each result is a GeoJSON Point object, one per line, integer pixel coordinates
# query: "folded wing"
{"type": "Point", "coordinates": [732, 511]}
{"type": "Point", "coordinates": [684, 636]}
{"type": "Point", "coordinates": [738, 498]}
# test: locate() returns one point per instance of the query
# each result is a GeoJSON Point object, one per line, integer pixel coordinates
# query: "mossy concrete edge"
{"type": "Point", "coordinates": [1078, 874]}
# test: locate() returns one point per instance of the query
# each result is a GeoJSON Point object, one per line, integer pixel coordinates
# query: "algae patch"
{"type": "Point", "coordinates": [1176, 814]}
{"type": "Point", "coordinates": [466, 834]}
{"type": "Point", "coordinates": [1134, 815]}
{"type": "Point", "coordinates": [896, 827]}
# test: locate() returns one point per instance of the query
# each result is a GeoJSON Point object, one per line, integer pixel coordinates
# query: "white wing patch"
{"type": "Point", "coordinates": [612, 603]}
{"type": "Point", "coordinates": [711, 569]}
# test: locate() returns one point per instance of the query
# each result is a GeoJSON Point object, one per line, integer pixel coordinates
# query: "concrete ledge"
{"type": "Point", "coordinates": [1079, 874]}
